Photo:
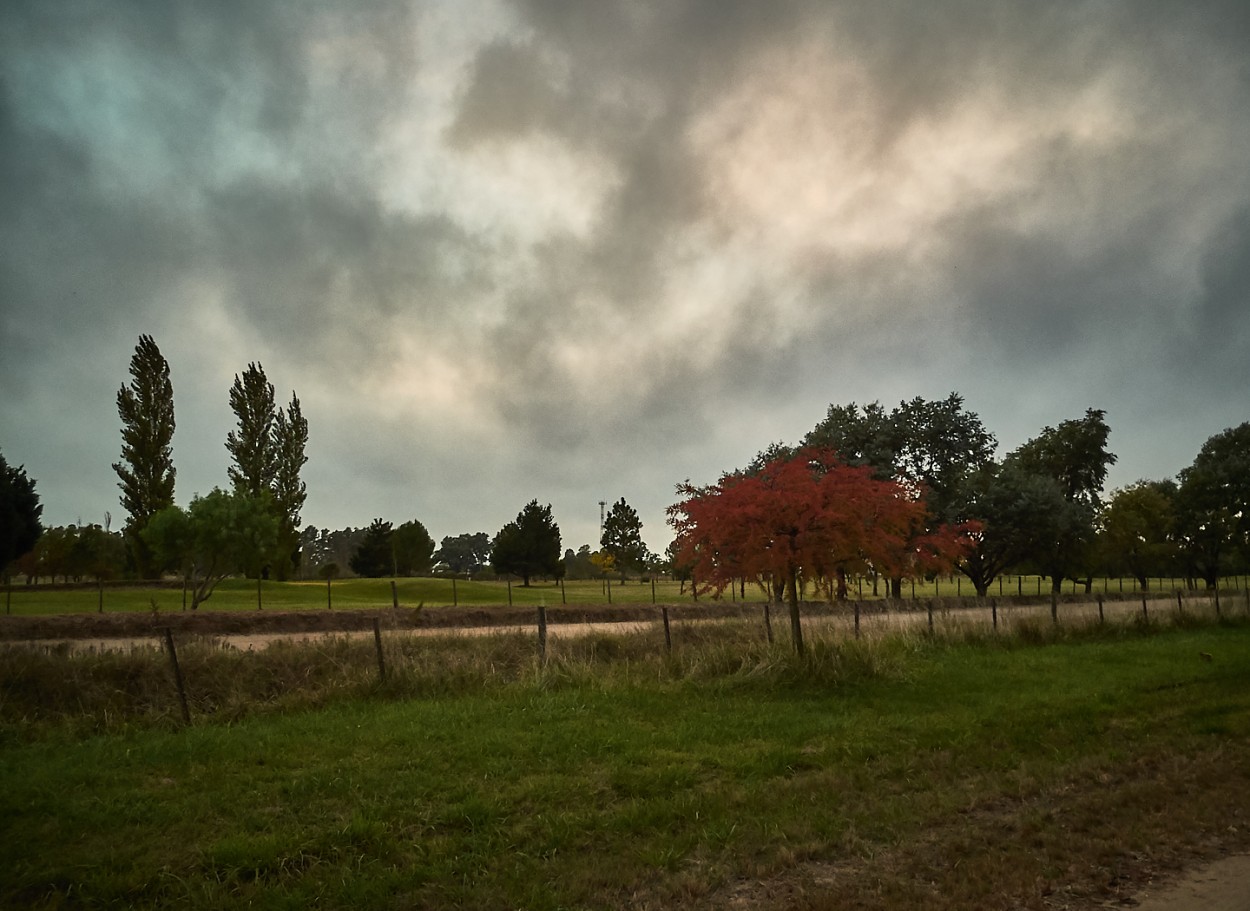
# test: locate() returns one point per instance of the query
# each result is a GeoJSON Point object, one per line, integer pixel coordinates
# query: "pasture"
{"type": "Point", "coordinates": [356, 593]}
{"type": "Point", "coordinates": [959, 769]}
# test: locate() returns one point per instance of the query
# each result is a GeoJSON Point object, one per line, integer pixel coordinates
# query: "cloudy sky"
{"type": "Point", "coordinates": [571, 251]}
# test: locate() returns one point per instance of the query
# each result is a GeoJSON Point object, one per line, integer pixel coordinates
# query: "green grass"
{"type": "Point", "coordinates": [612, 777]}
{"type": "Point", "coordinates": [240, 594]}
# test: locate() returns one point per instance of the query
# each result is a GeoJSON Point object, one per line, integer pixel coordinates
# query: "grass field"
{"type": "Point", "coordinates": [241, 594]}
{"type": "Point", "coordinates": [957, 771]}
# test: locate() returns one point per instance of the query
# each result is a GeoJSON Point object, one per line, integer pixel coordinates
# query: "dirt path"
{"type": "Point", "coordinates": [1221, 886]}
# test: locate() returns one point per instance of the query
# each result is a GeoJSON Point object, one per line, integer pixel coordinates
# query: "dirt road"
{"type": "Point", "coordinates": [1221, 886]}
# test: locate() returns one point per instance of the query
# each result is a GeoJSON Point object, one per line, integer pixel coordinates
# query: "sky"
{"type": "Point", "coordinates": [506, 250]}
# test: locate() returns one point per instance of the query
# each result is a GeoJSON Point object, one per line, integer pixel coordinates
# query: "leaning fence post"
{"type": "Point", "coordinates": [542, 631]}
{"type": "Point", "coordinates": [768, 623]}
{"type": "Point", "coordinates": [1101, 619]}
{"type": "Point", "coordinates": [377, 642]}
{"type": "Point", "coordinates": [173, 660]}
{"type": "Point", "coordinates": [1180, 603]}
{"type": "Point", "coordinates": [668, 635]}
{"type": "Point", "coordinates": [1145, 614]}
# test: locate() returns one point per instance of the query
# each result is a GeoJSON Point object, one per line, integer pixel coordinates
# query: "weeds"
{"type": "Point", "coordinates": [83, 692]}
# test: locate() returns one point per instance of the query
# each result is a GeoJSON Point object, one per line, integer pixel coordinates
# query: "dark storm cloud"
{"type": "Point", "coordinates": [562, 245]}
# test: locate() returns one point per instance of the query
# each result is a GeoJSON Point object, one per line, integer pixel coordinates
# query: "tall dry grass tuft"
{"type": "Point", "coordinates": [82, 692]}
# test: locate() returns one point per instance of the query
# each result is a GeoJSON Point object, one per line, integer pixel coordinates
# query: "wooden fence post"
{"type": "Point", "coordinates": [173, 660]}
{"type": "Point", "coordinates": [1101, 619]}
{"type": "Point", "coordinates": [100, 606]}
{"type": "Point", "coordinates": [609, 578]}
{"type": "Point", "coordinates": [1145, 614]}
{"type": "Point", "coordinates": [329, 594]}
{"type": "Point", "coordinates": [1180, 602]}
{"type": "Point", "coordinates": [394, 595]}
{"type": "Point", "coordinates": [563, 599]}
{"type": "Point", "coordinates": [1217, 600]}
{"type": "Point", "coordinates": [377, 641]}
{"type": "Point", "coordinates": [994, 613]}
{"type": "Point", "coordinates": [652, 588]}
{"type": "Point", "coordinates": [768, 623]}
{"type": "Point", "coordinates": [455, 600]}
{"type": "Point", "coordinates": [796, 628]}
{"type": "Point", "coordinates": [856, 619]}
{"type": "Point", "coordinates": [668, 636]}
{"type": "Point", "coordinates": [542, 632]}
{"type": "Point", "coordinates": [929, 602]}
{"type": "Point", "coordinates": [1054, 607]}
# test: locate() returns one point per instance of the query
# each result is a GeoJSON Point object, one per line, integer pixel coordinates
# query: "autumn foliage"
{"type": "Point", "coordinates": [803, 519]}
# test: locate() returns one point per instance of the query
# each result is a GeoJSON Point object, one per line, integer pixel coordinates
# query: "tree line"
{"type": "Point", "coordinates": [892, 493]}
{"type": "Point", "coordinates": [916, 490]}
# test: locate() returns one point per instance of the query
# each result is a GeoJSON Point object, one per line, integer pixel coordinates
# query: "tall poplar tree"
{"type": "Point", "coordinates": [290, 437]}
{"type": "Point", "coordinates": [268, 452]}
{"type": "Point", "coordinates": [146, 409]}
{"type": "Point", "coordinates": [251, 446]}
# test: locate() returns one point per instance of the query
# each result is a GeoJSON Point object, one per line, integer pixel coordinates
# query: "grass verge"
{"type": "Point", "coordinates": [944, 772]}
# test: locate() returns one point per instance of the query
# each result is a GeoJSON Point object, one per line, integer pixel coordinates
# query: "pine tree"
{"type": "Point", "coordinates": [146, 409]}
{"type": "Point", "coordinates": [622, 537]}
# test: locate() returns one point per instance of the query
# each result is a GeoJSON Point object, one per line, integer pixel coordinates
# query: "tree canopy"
{"type": "Point", "coordinates": [1213, 512]}
{"type": "Point", "coordinates": [218, 535]}
{"type": "Point", "coordinates": [800, 519]}
{"type": "Point", "coordinates": [464, 553]}
{"type": "Point", "coordinates": [529, 546]}
{"type": "Point", "coordinates": [1075, 457]}
{"type": "Point", "coordinates": [268, 451]}
{"type": "Point", "coordinates": [622, 537]}
{"type": "Point", "coordinates": [1139, 531]}
{"type": "Point", "coordinates": [375, 556]}
{"type": "Point", "coordinates": [414, 549]}
{"type": "Point", "coordinates": [146, 470]}
{"type": "Point", "coordinates": [20, 511]}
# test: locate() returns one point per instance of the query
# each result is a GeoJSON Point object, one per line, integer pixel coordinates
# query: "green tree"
{"type": "Point", "coordinates": [928, 447]}
{"type": "Point", "coordinates": [20, 511]}
{"type": "Point", "coordinates": [1213, 504]}
{"type": "Point", "coordinates": [622, 537]}
{"type": "Point", "coordinates": [1075, 456]}
{"type": "Point", "coordinates": [1016, 515]}
{"type": "Point", "coordinates": [146, 470]}
{"type": "Point", "coordinates": [251, 445]}
{"type": "Point", "coordinates": [218, 535]}
{"type": "Point", "coordinates": [860, 435]}
{"type": "Point", "coordinates": [1139, 530]}
{"type": "Point", "coordinates": [464, 553]}
{"type": "Point", "coordinates": [268, 451]}
{"type": "Point", "coordinates": [375, 556]}
{"type": "Point", "coordinates": [413, 549]}
{"type": "Point", "coordinates": [529, 546]}
{"type": "Point", "coordinates": [290, 437]}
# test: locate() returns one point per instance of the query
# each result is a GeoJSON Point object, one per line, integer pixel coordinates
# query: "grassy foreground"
{"type": "Point", "coordinates": [905, 772]}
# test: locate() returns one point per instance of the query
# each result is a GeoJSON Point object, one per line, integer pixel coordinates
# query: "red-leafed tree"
{"type": "Point", "coordinates": [801, 518]}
